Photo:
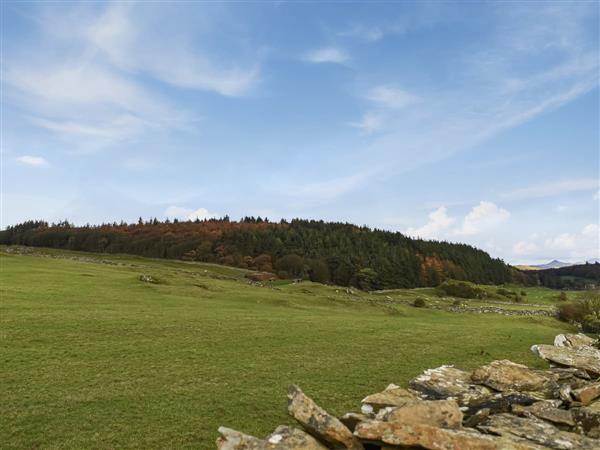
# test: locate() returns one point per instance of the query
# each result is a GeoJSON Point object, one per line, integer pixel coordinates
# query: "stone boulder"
{"type": "Point", "coordinates": [393, 396]}
{"type": "Point", "coordinates": [536, 431]}
{"type": "Point", "coordinates": [420, 435]}
{"type": "Point", "coordinates": [506, 375]}
{"type": "Point", "coordinates": [584, 357]}
{"type": "Point", "coordinates": [283, 438]}
{"type": "Point", "coordinates": [548, 410]}
{"type": "Point", "coordinates": [573, 340]}
{"type": "Point", "coordinates": [448, 382]}
{"type": "Point", "coordinates": [319, 422]}
{"type": "Point", "coordinates": [587, 393]}
{"type": "Point", "coordinates": [437, 413]}
{"type": "Point", "coordinates": [588, 419]}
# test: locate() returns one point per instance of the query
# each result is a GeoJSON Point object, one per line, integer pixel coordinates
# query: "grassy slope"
{"type": "Point", "coordinates": [95, 358]}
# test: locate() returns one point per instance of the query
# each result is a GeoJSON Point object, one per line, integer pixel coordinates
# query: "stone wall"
{"type": "Point", "coordinates": [502, 405]}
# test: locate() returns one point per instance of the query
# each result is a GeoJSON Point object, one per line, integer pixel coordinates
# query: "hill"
{"type": "Point", "coordinates": [581, 276]}
{"type": "Point", "coordinates": [116, 351]}
{"type": "Point", "coordinates": [339, 253]}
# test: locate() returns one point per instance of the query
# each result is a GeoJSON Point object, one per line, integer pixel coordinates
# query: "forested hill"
{"type": "Point", "coordinates": [581, 276]}
{"type": "Point", "coordinates": [340, 253]}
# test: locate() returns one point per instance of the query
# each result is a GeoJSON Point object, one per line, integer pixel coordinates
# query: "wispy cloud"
{"type": "Point", "coordinates": [96, 86]}
{"type": "Point", "coordinates": [28, 160]}
{"type": "Point", "coordinates": [120, 36]}
{"type": "Point", "coordinates": [326, 55]}
{"type": "Point", "coordinates": [492, 90]}
{"type": "Point", "coordinates": [392, 97]}
{"type": "Point", "coordinates": [369, 123]}
{"type": "Point", "coordinates": [552, 189]}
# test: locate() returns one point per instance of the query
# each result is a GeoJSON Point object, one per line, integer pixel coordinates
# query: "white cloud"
{"type": "Point", "coordinates": [482, 217]}
{"type": "Point", "coordinates": [122, 37]}
{"type": "Point", "coordinates": [597, 195]}
{"type": "Point", "coordinates": [591, 230]}
{"type": "Point", "coordinates": [438, 222]}
{"type": "Point", "coordinates": [553, 188]}
{"type": "Point", "coordinates": [327, 55]}
{"type": "Point", "coordinates": [181, 213]}
{"type": "Point", "coordinates": [36, 161]}
{"type": "Point", "coordinates": [391, 97]}
{"type": "Point", "coordinates": [369, 123]}
{"type": "Point", "coordinates": [94, 85]}
{"type": "Point", "coordinates": [562, 242]}
{"type": "Point", "coordinates": [524, 248]}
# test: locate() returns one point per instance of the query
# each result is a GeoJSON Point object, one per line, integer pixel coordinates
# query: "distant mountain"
{"type": "Point", "coordinates": [554, 264]}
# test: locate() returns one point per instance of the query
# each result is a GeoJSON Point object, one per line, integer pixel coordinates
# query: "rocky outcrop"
{"type": "Point", "coordinates": [501, 405]}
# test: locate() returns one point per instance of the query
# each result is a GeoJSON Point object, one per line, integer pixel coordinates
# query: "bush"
{"type": "Point", "coordinates": [517, 298]}
{"type": "Point", "coordinates": [419, 302]}
{"type": "Point", "coordinates": [505, 292]}
{"type": "Point", "coordinates": [461, 289]}
{"type": "Point", "coordinates": [457, 302]}
{"type": "Point", "coordinates": [563, 297]}
{"type": "Point", "coordinates": [571, 312]}
{"type": "Point", "coordinates": [523, 294]}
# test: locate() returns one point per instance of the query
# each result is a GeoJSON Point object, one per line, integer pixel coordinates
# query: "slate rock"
{"type": "Point", "coordinates": [438, 413]}
{"type": "Point", "coordinates": [573, 340]}
{"type": "Point", "coordinates": [421, 435]}
{"type": "Point", "coordinates": [537, 431]}
{"type": "Point", "coordinates": [505, 375]}
{"type": "Point", "coordinates": [283, 438]}
{"type": "Point", "coordinates": [585, 357]}
{"type": "Point", "coordinates": [547, 410]}
{"type": "Point", "coordinates": [587, 393]}
{"type": "Point", "coordinates": [448, 382]}
{"type": "Point", "coordinates": [319, 422]}
{"type": "Point", "coordinates": [392, 396]}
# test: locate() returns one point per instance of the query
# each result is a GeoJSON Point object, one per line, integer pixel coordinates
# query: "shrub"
{"type": "Point", "coordinates": [457, 302]}
{"type": "Point", "coordinates": [461, 289]}
{"type": "Point", "coordinates": [563, 296]}
{"type": "Point", "coordinates": [517, 298]}
{"type": "Point", "coordinates": [523, 294]}
{"type": "Point", "coordinates": [571, 312]}
{"type": "Point", "coordinates": [506, 292]}
{"type": "Point", "coordinates": [419, 302]}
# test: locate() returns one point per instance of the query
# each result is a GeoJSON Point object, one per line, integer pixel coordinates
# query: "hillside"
{"type": "Point", "coordinates": [582, 276]}
{"type": "Point", "coordinates": [339, 253]}
{"type": "Point", "coordinates": [115, 351]}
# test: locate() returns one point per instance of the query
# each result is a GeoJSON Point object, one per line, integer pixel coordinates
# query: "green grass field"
{"type": "Point", "coordinates": [92, 357]}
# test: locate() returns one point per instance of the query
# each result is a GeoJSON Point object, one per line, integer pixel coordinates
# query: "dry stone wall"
{"type": "Point", "coordinates": [502, 405]}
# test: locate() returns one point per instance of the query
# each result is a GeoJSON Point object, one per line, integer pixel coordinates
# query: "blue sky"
{"type": "Point", "coordinates": [470, 122]}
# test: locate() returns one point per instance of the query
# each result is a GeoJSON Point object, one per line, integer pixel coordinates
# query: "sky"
{"type": "Point", "coordinates": [459, 121]}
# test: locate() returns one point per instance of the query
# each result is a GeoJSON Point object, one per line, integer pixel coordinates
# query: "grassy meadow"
{"type": "Point", "coordinates": [93, 357]}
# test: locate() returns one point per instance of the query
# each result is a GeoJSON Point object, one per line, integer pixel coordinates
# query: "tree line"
{"type": "Point", "coordinates": [328, 252]}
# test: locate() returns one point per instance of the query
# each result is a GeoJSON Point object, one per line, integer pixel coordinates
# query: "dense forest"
{"type": "Point", "coordinates": [339, 253]}
{"type": "Point", "coordinates": [582, 276]}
